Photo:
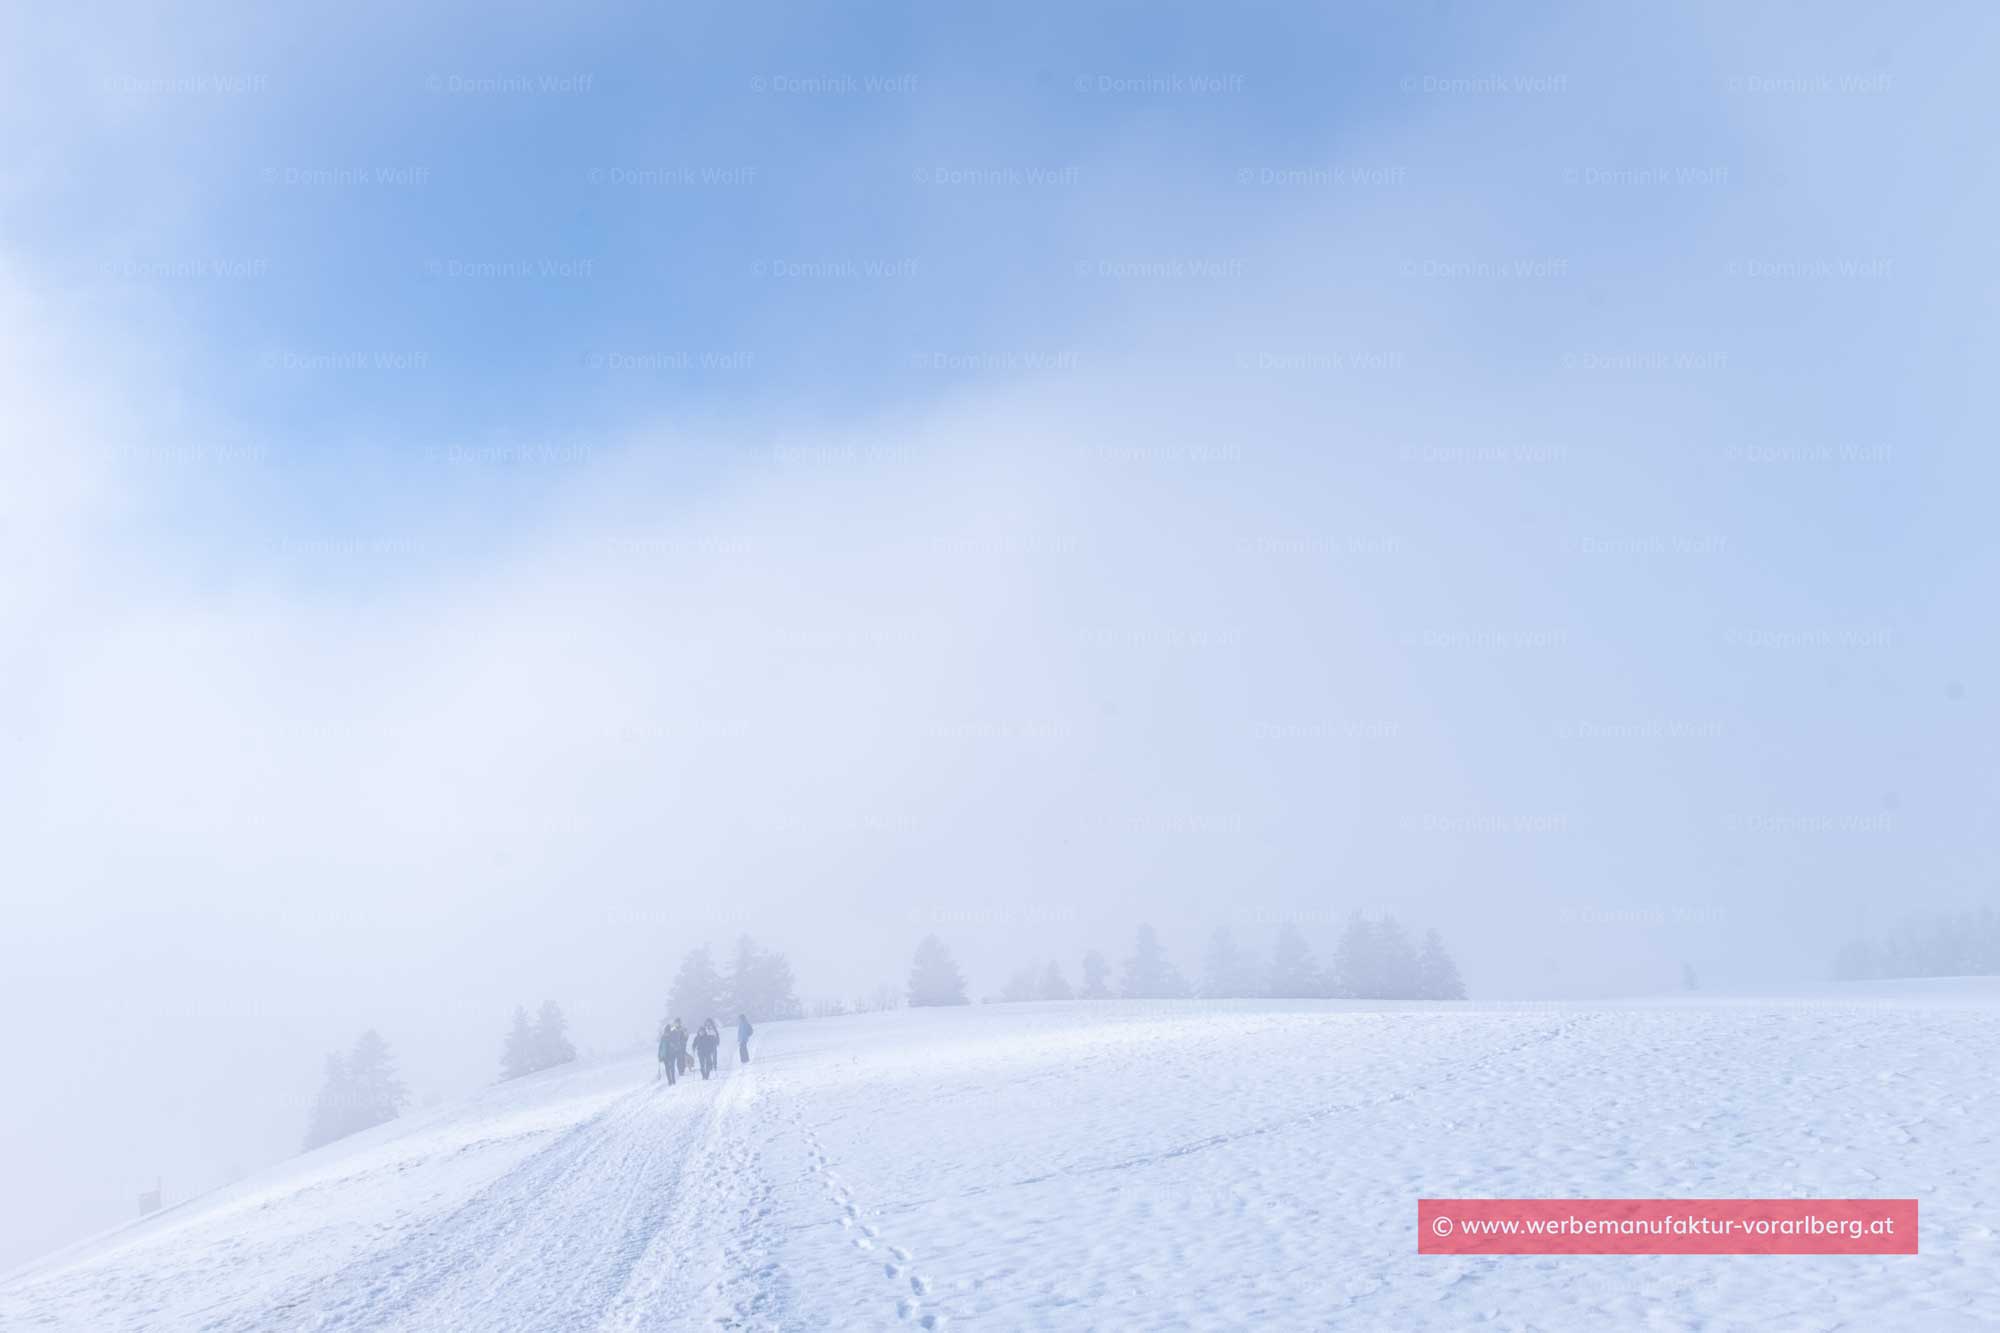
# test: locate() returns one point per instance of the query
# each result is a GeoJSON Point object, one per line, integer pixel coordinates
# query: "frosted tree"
{"type": "Point", "coordinates": [1294, 974]}
{"type": "Point", "coordinates": [698, 991]}
{"type": "Point", "coordinates": [330, 1113]}
{"type": "Point", "coordinates": [1096, 977]}
{"type": "Point", "coordinates": [550, 1043]}
{"type": "Point", "coordinates": [517, 1057]}
{"type": "Point", "coordinates": [1054, 985]}
{"type": "Point", "coordinates": [780, 988]}
{"type": "Point", "coordinates": [1225, 972]}
{"type": "Point", "coordinates": [1437, 974]}
{"type": "Point", "coordinates": [377, 1095]}
{"type": "Point", "coordinates": [1148, 975]}
{"type": "Point", "coordinates": [1356, 972]}
{"type": "Point", "coordinates": [934, 977]}
{"type": "Point", "coordinates": [761, 984]}
{"type": "Point", "coordinates": [1396, 958]}
{"type": "Point", "coordinates": [749, 982]}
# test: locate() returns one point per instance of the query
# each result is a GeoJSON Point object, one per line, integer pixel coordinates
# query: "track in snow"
{"type": "Point", "coordinates": [1066, 1167]}
{"type": "Point", "coordinates": [552, 1244]}
{"type": "Point", "coordinates": [909, 1286]}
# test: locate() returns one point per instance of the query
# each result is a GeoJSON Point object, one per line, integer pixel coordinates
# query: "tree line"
{"type": "Point", "coordinates": [759, 984]}
{"type": "Point", "coordinates": [533, 1047]}
{"type": "Point", "coordinates": [1374, 959]}
{"type": "Point", "coordinates": [1947, 944]}
{"type": "Point", "coordinates": [361, 1090]}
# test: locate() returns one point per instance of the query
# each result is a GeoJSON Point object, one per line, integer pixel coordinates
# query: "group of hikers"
{"type": "Point", "coordinates": [674, 1045]}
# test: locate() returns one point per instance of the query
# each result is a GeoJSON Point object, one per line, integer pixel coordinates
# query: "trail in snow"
{"type": "Point", "coordinates": [549, 1245]}
{"type": "Point", "coordinates": [908, 1287]}
{"type": "Point", "coordinates": [599, 1208]}
{"type": "Point", "coordinates": [712, 1261]}
{"type": "Point", "coordinates": [1068, 1167]}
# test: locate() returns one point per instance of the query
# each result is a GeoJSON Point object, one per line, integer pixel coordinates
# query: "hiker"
{"type": "Point", "coordinates": [675, 1046]}
{"type": "Point", "coordinates": [743, 1031]}
{"type": "Point", "coordinates": [705, 1042]}
{"type": "Point", "coordinates": [668, 1068]}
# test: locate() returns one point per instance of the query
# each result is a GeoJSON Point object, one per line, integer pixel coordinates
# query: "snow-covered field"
{"type": "Point", "coordinates": [1114, 1166]}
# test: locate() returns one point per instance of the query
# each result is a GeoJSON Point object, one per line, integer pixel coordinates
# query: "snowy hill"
{"type": "Point", "coordinates": [1120, 1166]}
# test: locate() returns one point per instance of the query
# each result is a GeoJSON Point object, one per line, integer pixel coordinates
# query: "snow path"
{"type": "Point", "coordinates": [548, 1245]}
{"type": "Point", "coordinates": [1128, 1166]}
{"type": "Point", "coordinates": [711, 1261]}
{"type": "Point", "coordinates": [635, 1205]}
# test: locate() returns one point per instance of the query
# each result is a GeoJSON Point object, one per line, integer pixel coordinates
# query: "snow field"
{"type": "Point", "coordinates": [1117, 1165]}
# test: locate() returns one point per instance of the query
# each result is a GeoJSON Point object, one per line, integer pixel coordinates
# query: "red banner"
{"type": "Point", "coordinates": [1666, 1226]}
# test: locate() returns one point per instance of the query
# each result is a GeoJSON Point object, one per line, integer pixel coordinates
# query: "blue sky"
{"type": "Point", "coordinates": [503, 497]}
{"type": "Point", "coordinates": [517, 304]}
{"type": "Point", "coordinates": [865, 137]}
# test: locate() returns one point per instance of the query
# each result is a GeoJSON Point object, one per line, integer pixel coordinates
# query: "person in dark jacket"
{"type": "Point", "coordinates": [674, 1046]}
{"type": "Point", "coordinates": [705, 1042]}
{"type": "Point", "coordinates": [743, 1031]}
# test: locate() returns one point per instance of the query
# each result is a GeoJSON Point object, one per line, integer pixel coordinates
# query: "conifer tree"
{"type": "Point", "coordinates": [934, 977]}
{"type": "Point", "coordinates": [517, 1057]}
{"type": "Point", "coordinates": [360, 1091]}
{"type": "Point", "coordinates": [1225, 972]}
{"type": "Point", "coordinates": [1356, 974]}
{"type": "Point", "coordinates": [698, 991]}
{"type": "Point", "coordinates": [1396, 959]}
{"type": "Point", "coordinates": [378, 1094]}
{"type": "Point", "coordinates": [746, 982]}
{"type": "Point", "coordinates": [760, 985]}
{"type": "Point", "coordinates": [329, 1117]}
{"type": "Point", "coordinates": [1148, 975]}
{"type": "Point", "coordinates": [779, 990]}
{"type": "Point", "coordinates": [1096, 977]}
{"type": "Point", "coordinates": [1437, 974]}
{"type": "Point", "coordinates": [1054, 985]}
{"type": "Point", "coordinates": [550, 1044]}
{"type": "Point", "coordinates": [1294, 975]}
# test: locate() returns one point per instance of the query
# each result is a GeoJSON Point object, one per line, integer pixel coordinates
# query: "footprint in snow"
{"type": "Point", "coordinates": [920, 1285]}
{"type": "Point", "coordinates": [902, 1255]}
